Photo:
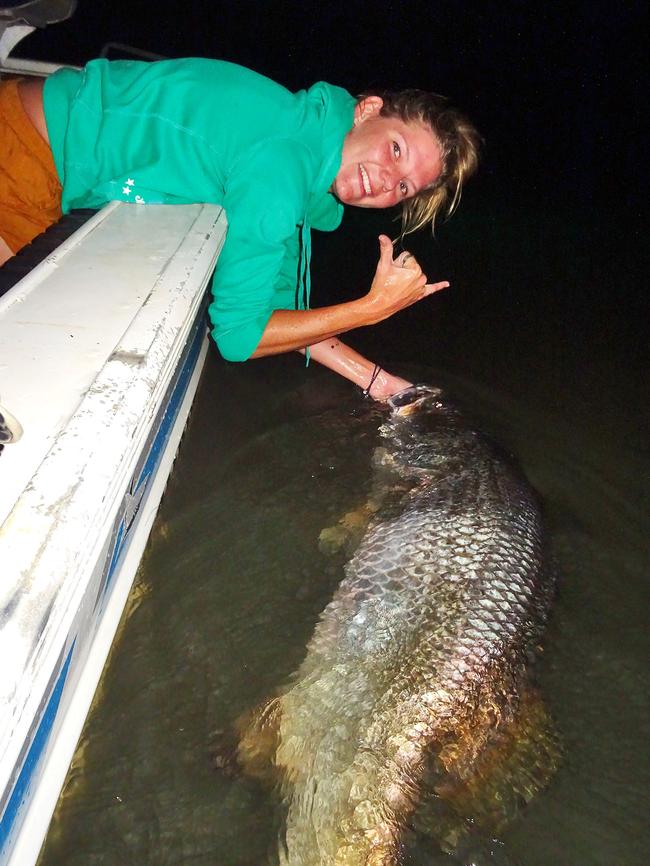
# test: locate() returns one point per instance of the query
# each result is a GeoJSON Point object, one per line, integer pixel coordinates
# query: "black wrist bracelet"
{"type": "Point", "coordinates": [375, 373]}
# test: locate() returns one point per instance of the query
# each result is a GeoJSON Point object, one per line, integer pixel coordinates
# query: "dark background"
{"type": "Point", "coordinates": [558, 93]}
{"type": "Point", "coordinates": [551, 234]}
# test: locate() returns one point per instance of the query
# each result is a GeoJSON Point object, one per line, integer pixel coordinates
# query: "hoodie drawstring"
{"type": "Point", "coordinates": [303, 292]}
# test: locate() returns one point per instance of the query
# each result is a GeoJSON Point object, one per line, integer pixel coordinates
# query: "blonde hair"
{"type": "Point", "coordinates": [459, 145]}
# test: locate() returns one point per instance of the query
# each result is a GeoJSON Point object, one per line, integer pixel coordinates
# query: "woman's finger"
{"type": "Point", "coordinates": [406, 260]}
{"type": "Point", "coordinates": [385, 251]}
{"type": "Point", "coordinates": [430, 288]}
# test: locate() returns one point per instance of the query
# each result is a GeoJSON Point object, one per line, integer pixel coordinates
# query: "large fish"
{"type": "Point", "coordinates": [414, 703]}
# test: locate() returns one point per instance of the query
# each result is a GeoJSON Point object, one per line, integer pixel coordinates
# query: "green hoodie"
{"type": "Point", "coordinates": [195, 130]}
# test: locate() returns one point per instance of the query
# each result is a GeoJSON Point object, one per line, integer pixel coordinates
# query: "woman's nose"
{"type": "Point", "coordinates": [389, 179]}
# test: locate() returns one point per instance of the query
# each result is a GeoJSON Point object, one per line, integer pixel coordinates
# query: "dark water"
{"type": "Point", "coordinates": [541, 342]}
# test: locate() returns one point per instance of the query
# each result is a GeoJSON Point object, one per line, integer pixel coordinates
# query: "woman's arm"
{"type": "Point", "coordinates": [397, 284]}
{"type": "Point", "coordinates": [341, 359]}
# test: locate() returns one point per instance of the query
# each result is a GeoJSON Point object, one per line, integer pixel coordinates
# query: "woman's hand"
{"type": "Point", "coordinates": [398, 283]}
{"type": "Point", "coordinates": [386, 385]}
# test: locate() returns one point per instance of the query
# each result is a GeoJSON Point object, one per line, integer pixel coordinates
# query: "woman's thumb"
{"type": "Point", "coordinates": [385, 249]}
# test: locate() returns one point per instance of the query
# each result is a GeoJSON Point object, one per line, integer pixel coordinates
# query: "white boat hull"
{"type": "Point", "coordinates": [102, 423]}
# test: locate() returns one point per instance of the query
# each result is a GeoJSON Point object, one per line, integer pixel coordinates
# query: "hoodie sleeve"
{"type": "Point", "coordinates": [266, 199]}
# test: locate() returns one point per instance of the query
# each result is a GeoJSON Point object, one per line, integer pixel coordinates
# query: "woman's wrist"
{"type": "Point", "coordinates": [369, 309]}
{"type": "Point", "coordinates": [385, 385]}
{"type": "Point", "coordinates": [373, 378]}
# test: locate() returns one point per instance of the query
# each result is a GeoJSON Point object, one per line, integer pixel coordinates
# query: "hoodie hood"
{"type": "Point", "coordinates": [334, 109]}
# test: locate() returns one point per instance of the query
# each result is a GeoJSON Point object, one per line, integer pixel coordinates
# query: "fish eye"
{"type": "Point", "coordinates": [397, 151]}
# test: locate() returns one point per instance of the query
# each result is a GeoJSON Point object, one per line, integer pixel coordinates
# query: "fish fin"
{"type": "Point", "coordinates": [258, 740]}
{"type": "Point", "coordinates": [348, 531]}
{"type": "Point", "coordinates": [346, 534]}
{"type": "Point", "coordinates": [518, 761]}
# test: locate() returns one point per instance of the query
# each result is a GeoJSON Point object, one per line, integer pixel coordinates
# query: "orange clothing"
{"type": "Point", "coordinates": [30, 192]}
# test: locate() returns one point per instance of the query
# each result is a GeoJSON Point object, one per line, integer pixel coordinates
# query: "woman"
{"type": "Point", "coordinates": [280, 163]}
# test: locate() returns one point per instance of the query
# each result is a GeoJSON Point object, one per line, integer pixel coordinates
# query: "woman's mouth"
{"type": "Point", "coordinates": [365, 180]}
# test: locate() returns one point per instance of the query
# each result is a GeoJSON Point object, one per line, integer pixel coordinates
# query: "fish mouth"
{"type": "Point", "coordinates": [411, 399]}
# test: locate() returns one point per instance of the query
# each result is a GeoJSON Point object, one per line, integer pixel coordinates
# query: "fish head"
{"type": "Point", "coordinates": [422, 432]}
{"type": "Point", "coordinates": [416, 398]}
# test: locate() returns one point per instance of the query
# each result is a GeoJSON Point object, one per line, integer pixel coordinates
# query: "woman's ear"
{"type": "Point", "coordinates": [369, 106]}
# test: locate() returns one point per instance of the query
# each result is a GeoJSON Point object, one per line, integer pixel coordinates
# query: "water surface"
{"type": "Point", "coordinates": [541, 341]}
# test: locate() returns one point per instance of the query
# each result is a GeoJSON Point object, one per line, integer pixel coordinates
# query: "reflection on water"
{"type": "Point", "coordinates": [233, 582]}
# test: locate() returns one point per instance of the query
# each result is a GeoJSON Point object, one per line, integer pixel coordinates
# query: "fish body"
{"type": "Point", "coordinates": [418, 667]}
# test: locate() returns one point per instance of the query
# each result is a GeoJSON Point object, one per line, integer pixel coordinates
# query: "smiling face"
{"type": "Point", "coordinates": [385, 160]}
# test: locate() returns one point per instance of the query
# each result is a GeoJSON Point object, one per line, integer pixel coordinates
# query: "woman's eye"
{"type": "Point", "coordinates": [403, 188]}
{"type": "Point", "coordinates": [396, 150]}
